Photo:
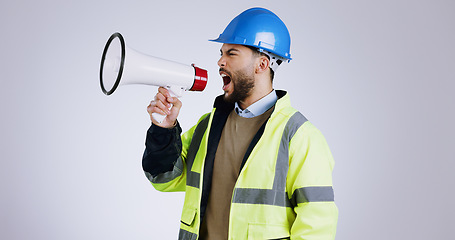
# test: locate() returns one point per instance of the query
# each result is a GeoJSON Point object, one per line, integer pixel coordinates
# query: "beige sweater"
{"type": "Point", "coordinates": [235, 139]}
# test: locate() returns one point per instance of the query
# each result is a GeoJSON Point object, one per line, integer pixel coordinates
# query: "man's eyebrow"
{"type": "Point", "coordinates": [230, 50]}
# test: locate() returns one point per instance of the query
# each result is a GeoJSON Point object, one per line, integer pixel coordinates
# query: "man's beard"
{"type": "Point", "coordinates": [243, 85]}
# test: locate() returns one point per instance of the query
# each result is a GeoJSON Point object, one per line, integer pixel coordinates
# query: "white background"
{"type": "Point", "coordinates": [376, 77]}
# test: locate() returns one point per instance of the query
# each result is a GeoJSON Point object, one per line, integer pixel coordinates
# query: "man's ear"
{"type": "Point", "coordinates": [263, 64]}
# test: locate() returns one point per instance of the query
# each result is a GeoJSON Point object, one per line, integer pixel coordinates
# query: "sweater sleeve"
{"type": "Point", "coordinates": [162, 149]}
{"type": "Point", "coordinates": [164, 159]}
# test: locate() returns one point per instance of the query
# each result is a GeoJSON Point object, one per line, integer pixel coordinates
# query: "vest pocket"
{"type": "Point", "coordinates": [268, 231]}
{"type": "Point", "coordinates": [188, 216]}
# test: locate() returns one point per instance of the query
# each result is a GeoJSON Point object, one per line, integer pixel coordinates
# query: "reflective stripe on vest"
{"type": "Point", "coordinates": [276, 196]}
{"type": "Point", "coordinates": [185, 235]}
{"type": "Point", "coordinates": [312, 194]}
{"type": "Point", "coordinates": [261, 196]}
{"type": "Point", "coordinates": [193, 178]}
{"type": "Point", "coordinates": [168, 176]}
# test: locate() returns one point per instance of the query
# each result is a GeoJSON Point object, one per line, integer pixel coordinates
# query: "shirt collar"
{"type": "Point", "coordinates": [259, 107]}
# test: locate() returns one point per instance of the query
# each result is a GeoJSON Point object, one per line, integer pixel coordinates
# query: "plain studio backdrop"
{"type": "Point", "coordinates": [376, 77]}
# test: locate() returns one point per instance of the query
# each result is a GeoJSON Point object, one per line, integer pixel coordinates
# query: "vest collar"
{"type": "Point", "coordinates": [221, 105]}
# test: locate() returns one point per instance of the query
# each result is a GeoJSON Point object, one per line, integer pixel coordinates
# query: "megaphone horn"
{"type": "Point", "coordinates": [121, 65]}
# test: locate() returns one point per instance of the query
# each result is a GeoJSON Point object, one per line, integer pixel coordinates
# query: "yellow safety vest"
{"type": "Point", "coordinates": [284, 190]}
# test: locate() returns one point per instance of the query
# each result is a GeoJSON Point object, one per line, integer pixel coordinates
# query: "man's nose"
{"type": "Point", "coordinates": [221, 62]}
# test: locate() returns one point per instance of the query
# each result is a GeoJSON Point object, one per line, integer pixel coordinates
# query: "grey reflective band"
{"type": "Point", "coordinates": [185, 235]}
{"type": "Point", "coordinates": [196, 141]}
{"type": "Point", "coordinates": [276, 196]}
{"type": "Point", "coordinates": [279, 198]}
{"type": "Point", "coordinates": [193, 179]}
{"type": "Point", "coordinates": [168, 176]}
{"type": "Point", "coordinates": [261, 196]}
{"type": "Point", "coordinates": [313, 194]}
{"type": "Point", "coordinates": [282, 162]}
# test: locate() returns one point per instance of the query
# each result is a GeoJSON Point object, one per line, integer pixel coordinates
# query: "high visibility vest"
{"type": "Point", "coordinates": [284, 189]}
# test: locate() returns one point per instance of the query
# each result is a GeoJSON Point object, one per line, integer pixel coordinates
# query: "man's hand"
{"type": "Point", "coordinates": [161, 104]}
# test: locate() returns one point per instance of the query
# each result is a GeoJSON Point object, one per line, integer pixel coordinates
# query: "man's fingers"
{"type": "Point", "coordinates": [166, 105]}
{"type": "Point", "coordinates": [164, 92]}
{"type": "Point", "coordinates": [160, 111]}
{"type": "Point", "coordinates": [159, 97]}
{"type": "Point", "coordinates": [160, 107]}
{"type": "Point", "coordinates": [175, 102]}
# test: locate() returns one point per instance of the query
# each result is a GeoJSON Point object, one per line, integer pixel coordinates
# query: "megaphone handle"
{"type": "Point", "coordinates": [158, 117]}
{"type": "Point", "coordinates": [174, 92]}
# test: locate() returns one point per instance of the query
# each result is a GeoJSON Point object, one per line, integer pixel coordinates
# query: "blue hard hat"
{"type": "Point", "coordinates": [260, 28]}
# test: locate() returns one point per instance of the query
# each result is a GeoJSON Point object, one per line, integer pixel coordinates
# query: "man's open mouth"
{"type": "Point", "coordinates": [226, 80]}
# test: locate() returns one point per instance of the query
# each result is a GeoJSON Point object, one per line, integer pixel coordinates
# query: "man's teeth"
{"type": "Point", "coordinates": [223, 75]}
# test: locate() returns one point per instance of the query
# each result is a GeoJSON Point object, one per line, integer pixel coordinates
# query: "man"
{"type": "Point", "coordinates": [254, 167]}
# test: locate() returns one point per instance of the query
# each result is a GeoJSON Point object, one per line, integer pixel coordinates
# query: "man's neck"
{"type": "Point", "coordinates": [256, 96]}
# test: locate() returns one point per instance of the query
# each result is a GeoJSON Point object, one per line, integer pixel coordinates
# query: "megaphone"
{"type": "Point", "coordinates": [121, 65]}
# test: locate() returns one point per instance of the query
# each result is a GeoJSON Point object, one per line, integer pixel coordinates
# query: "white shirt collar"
{"type": "Point", "coordinates": [259, 107]}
